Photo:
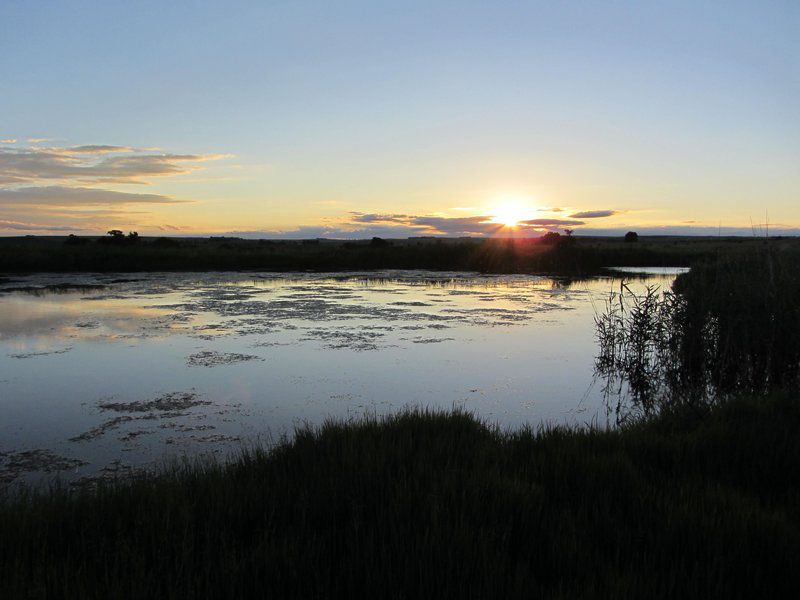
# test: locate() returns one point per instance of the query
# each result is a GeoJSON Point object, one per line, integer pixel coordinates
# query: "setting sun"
{"type": "Point", "coordinates": [509, 214]}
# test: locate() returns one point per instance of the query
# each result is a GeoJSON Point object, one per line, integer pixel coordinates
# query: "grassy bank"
{"type": "Point", "coordinates": [577, 255]}
{"type": "Point", "coordinates": [439, 505]}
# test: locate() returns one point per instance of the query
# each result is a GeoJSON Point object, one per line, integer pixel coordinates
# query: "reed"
{"type": "Point", "coordinates": [730, 326]}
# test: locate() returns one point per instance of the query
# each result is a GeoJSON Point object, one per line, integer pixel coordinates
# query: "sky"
{"type": "Point", "coordinates": [353, 119]}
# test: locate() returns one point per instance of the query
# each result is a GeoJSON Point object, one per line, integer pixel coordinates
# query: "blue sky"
{"type": "Point", "coordinates": [285, 118]}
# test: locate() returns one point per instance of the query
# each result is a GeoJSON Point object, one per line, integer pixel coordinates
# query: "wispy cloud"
{"type": "Point", "coordinates": [399, 225]}
{"type": "Point", "coordinates": [77, 196]}
{"type": "Point", "coordinates": [357, 217]}
{"type": "Point", "coordinates": [552, 223]}
{"type": "Point", "coordinates": [59, 188]}
{"type": "Point", "coordinates": [429, 224]}
{"type": "Point", "coordinates": [8, 141]}
{"type": "Point", "coordinates": [92, 165]}
{"type": "Point", "coordinates": [593, 214]}
{"type": "Point", "coordinates": [98, 149]}
{"type": "Point", "coordinates": [18, 226]}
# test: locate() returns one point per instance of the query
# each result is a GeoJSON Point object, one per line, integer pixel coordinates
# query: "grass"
{"type": "Point", "coordinates": [425, 504]}
{"type": "Point", "coordinates": [583, 256]}
{"type": "Point", "coordinates": [730, 326]}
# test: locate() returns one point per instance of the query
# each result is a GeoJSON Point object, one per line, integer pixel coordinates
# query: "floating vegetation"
{"type": "Point", "coordinates": [14, 464]}
{"type": "Point", "coordinates": [183, 427]}
{"type": "Point", "coordinates": [41, 353]}
{"type": "Point", "coordinates": [96, 432]}
{"type": "Point", "coordinates": [424, 340]}
{"type": "Point", "coordinates": [174, 401]}
{"type": "Point", "coordinates": [359, 341]}
{"type": "Point", "coordinates": [132, 435]}
{"type": "Point", "coordinates": [166, 406]}
{"type": "Point", "coordinates": [210, 358]}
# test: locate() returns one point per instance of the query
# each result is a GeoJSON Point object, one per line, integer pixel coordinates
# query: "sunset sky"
{"type": "Point", "coordinates": [354, 119]}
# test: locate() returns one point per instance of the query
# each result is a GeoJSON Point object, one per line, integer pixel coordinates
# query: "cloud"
{"type": "Point", "coordinates": [18, 226]}
{"type": "Point", "coordinates": [479, 225]}
{"type": "Point", "coordinates": [554, 209]}
{"type": "Point", "coordinates": [457, 226]}
{"type": "Point", "coordinates": [92, 165]}
{"type": "Point", "coordinates": [98, 149]}
{"type": "Point", "coordinates": [380, 218]}
{"type": "Point", "coordinates": [8, 141]}
{"type": "Point", "coordinates": [551, 223]}
{"type": "Point", "coordinates": [39, 140]}
{"type": "Point", "coordinates": [428, 225]}
{"type": "Point", "coordinates": [593, 214]}
{"type": "Point", "coordinates": [55, 195]}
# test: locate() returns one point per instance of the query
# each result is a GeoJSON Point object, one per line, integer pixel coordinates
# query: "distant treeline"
{"type": "Point", "coordinates": [549, 254]}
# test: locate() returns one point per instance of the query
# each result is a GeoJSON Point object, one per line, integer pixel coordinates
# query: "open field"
{"type": "Point", "coordinates": [577, 255]}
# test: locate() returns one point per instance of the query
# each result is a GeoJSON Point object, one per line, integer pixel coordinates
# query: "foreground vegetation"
{"type": "Point", "coordinates": [565, 255]}
{"type": "Point", "coordinates": [428, 505]}
{"type": "Point", "coordinates": [728, 327]}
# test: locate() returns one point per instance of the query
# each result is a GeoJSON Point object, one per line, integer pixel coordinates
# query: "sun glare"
{"type": "Point", "coordinates": [509, 214]}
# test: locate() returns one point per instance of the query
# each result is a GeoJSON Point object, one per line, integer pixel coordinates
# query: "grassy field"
{"type": "Point", "coordinates": [577, 255]}
{"type": "Point", "coordinates": [430, 505]}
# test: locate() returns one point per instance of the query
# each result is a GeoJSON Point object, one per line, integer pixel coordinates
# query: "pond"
{"type": "Point", "coordinates": [100, 374]}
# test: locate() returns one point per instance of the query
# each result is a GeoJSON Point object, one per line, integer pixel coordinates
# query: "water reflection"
{"type": "Point", "coordinates": [126, 370]}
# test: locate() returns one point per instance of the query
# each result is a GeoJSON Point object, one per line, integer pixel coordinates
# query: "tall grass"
{"type": "Point", "coordinates": [432, 505]}
{"type": "Point", "coordinates": [729, 326]}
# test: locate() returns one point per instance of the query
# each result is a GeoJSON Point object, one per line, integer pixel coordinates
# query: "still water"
{"type": "Point", "coordinates": [103, 373]}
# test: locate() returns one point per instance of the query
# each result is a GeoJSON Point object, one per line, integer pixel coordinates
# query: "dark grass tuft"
{"type": "Point", "coordinates": [429, 505]}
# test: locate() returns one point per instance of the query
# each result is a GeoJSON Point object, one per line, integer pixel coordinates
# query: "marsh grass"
{"type": "Point", "coordinates": [729, 326]}
{"type": "Point", "coordinates": [428, 504]}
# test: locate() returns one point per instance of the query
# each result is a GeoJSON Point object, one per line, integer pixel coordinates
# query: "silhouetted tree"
{"type": "Point", "coordinates": [551, 238]}
{"type": "Point", "coordinates": [117, 237]}
{"type": "Point", "coordinates": [631, 236]}
{"type": "Point", "coordinates": [74, 240]}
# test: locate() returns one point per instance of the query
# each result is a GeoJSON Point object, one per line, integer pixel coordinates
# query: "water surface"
{"type": "Point", "coordinates": [102, 373]}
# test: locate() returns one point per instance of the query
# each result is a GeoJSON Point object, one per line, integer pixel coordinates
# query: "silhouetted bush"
{"type": "Point", "coordinates": [74, 240]}
{"type": "Point", "coordinates": [551, 238]}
